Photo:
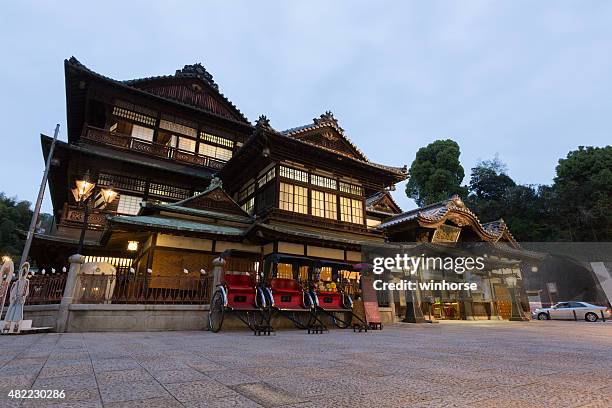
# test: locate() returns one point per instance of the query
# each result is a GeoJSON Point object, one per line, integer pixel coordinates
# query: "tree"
{"type": "Point", "coordinates": [583, 188]}
{"type": "Point", "coordinates": [14, 216]}
{"type": "Point", "coordinates": [489, 180]}
{"type": "Point", "coordinates": [436, 173]}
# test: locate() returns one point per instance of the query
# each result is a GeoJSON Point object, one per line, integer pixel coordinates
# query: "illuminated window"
{"type": "Point", "coordinates": [293, 174]}
{"type": "Point", "coordinates": [186, 144]}
{"type": "Point", "coordinates": [351, 210]}
{"type": "Point", "coordinates": [215, 152]}
{"type": "Point", "coordinates": [323, 204]}
{"type": "Point", "coordinates": [266, 177]}
{"type": "Point", "coordinates": [249, 206]}
{"type": "Point", "coordinates": [246, 191]}
{"type": "Point", "coordinates": [293, 198]}
{"type": "Point", "coordinates": [351, 189]}
{"type": "Point", "coordinates": [217, 139]}
{"type": "Point", "coordinates": [129, 205]}
{"type": "Point", "coordinates": [284, 271]}
{"type": "Point", "coordinates": [138, 117]}
{"type": "Point", "coordinates": [323, 181]}
{"type": "Point", "coordinates": [143, 133]}
{"type": "Point", "coordinates": [326, 273]}
{"type": "Point", "coordinates": [177, 128]}
{"type": "Point", "coordinates": [303, 273]}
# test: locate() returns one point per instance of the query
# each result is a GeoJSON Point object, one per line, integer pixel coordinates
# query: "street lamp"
{"type": "Point", "coordinates": [515, 312]}
{"type": "Point", "coordinates": [82, 194]}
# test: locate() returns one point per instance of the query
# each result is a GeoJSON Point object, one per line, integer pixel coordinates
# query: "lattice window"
{"type": "Point", "coordinates": [122, 182]}
{"type": "Point", "coordinates": [246, 191]}
{"type": "Point", "coordinates": [293, 198]}
{"type": "Point", "coordinates": [135, 116]}
{"type": "Point", "coordinates": [323, 181]}
{"type": "Point", "coordinates": [217, 140]}
{"type": "Point", "coordinates": [263, 180]}
{"type": "Point", "coordinates": [249, 206]}
{"type": "Point", "coordinates": [165, 190]}
{"type": "Point", "coordinates": [178, 128]}
{"type": "Point", "coordinates": [142, 133]}
{"type": "Point", "coordinates": [351, 189]}
{"type": "Point", "coordinates": [129, 205]}
{"type": "Point", "coordinates": [351, 210]}
{"type": "Point", "coordinates": [186, 144]}
{"type": "Point", "coordinates": [323, 204]}
{"type": "Point", "coordinates": [294, 174]}
{"type": "Point", "coordinates": [215, 152]}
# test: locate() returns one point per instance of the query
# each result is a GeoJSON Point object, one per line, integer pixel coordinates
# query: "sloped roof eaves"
{"type": "Point", "coordinates": [308, 234]}
{"type": "Point", "coordinates": [204, 213]}
{"type": "Point", "coordinates": [313, 126]}
{"type": "Point", "coordinates": [74, 63]}
{"type": "Point", "coordinates": [178, 225]}
{"type": "Point", "coordinates": [396, 170]}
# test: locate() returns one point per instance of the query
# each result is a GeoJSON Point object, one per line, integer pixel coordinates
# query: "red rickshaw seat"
{"type": "Point", "coordinates": [288, 289]}
{"type": "Point", "coordinates": [330, 300]}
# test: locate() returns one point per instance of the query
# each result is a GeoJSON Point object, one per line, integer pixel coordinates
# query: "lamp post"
{"type": "Point", "coordinates": [515, 312]}
{"type": "Point", "coordinates": [82, 194]}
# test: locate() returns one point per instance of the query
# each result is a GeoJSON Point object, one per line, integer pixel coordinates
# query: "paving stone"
{"type": "Point", "coordinates": [111, 377]}
{"type": "Point", "coordinates": [75, 382]}
{"type": "Point", "coordinates": [114, 364]}
{"type": "Point", "coordinates": [176, 376]}
{"type": "Point", "coordinates": [163, 402]}
{"type": "Point", "coordinates": [131, 391]}
{"type": "Point", "coordinates": [266, 394]}
{"type": "Point", "coordinates": [199, 390]}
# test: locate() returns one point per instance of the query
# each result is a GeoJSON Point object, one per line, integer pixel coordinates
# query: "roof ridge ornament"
{"type": "Point", "coordinates": [263, 123]}
{"type": "Point", "coordinates": [197, 70]}
{"type": "Point", "coordinates": [327, 117]}
{"type": "Point", "coordinates": [215, 183]}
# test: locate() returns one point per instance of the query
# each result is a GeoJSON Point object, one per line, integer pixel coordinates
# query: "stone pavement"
{"type": "Point", "coordinates": [488, 364]}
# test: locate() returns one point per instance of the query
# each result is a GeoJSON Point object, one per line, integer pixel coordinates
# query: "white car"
{"type": "Point", "coordinates": [566, 310]}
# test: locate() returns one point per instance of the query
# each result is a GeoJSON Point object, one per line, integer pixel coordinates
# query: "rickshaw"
{"type": "Point", "coordinates": [239, 294]}
{"type": "Point", "coordinates": [335, 284]}
{"type": "Point", "coordinates": [284, 280]}
{"type": "Point", "coordinates": [304, 290]}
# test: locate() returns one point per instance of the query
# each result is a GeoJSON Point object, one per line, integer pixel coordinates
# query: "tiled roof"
{"type": "Point", "coordinates": [375, 198]}
{"type": "Point", "coordinates": [73, 62]}
{"type": "Point", "coordinates": [178, 224]}
{"type": "Point", "coordinates": [437, 211]}
{"type": "Point", "coordinates": [325, 120]}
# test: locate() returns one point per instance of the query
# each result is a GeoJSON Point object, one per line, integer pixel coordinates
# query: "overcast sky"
{"type": "Point", "coordinates": [521, 79]}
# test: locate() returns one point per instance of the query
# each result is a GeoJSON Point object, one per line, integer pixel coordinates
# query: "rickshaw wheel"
{"type": "Point", "coordinates": [342, 320]}
{"type": "Point", "coordinates": [216, 312]}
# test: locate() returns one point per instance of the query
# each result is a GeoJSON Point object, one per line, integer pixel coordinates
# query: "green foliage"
{"type": "Point", "coordinates": [577, 207]}
{"type": "Point", "coordinates": [584, 192]}
{"type": "Point", "coordinates": [436, 173]}
{"type": "Point", "coordinates": [14, 216]}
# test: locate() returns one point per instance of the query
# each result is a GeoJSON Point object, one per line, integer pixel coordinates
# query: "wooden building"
{"type": "Point", "coordinates": [159, 142]}
{"type": "Point", "coordinates": [194, 178]}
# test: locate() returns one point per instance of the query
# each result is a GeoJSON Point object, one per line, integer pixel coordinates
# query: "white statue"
{"type": "Point", "coordinates": [7, 271]}
{"type": "Point", "coordinates": [19, 293]}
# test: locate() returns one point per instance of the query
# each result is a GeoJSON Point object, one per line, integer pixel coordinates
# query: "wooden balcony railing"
{"type": "Point", "coordinates": [104, 136]}
{"type": "Point", "coordinates": [73, 215]}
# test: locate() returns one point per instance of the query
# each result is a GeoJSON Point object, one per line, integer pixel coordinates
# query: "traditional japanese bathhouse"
{"type": "Point", "coordinates": [451, 222]}
{"type": "Point", "coordinates": [306, 192]}
{"type": "Point", "coordinates": [152, 140]}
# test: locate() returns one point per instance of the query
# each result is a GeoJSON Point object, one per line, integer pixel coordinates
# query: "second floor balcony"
{"type": "Point", "coordinates": [126, 142]}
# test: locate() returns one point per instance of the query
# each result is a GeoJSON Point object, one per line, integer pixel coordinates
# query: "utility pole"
{"type": "Point", "coordinates": [41, 194]}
